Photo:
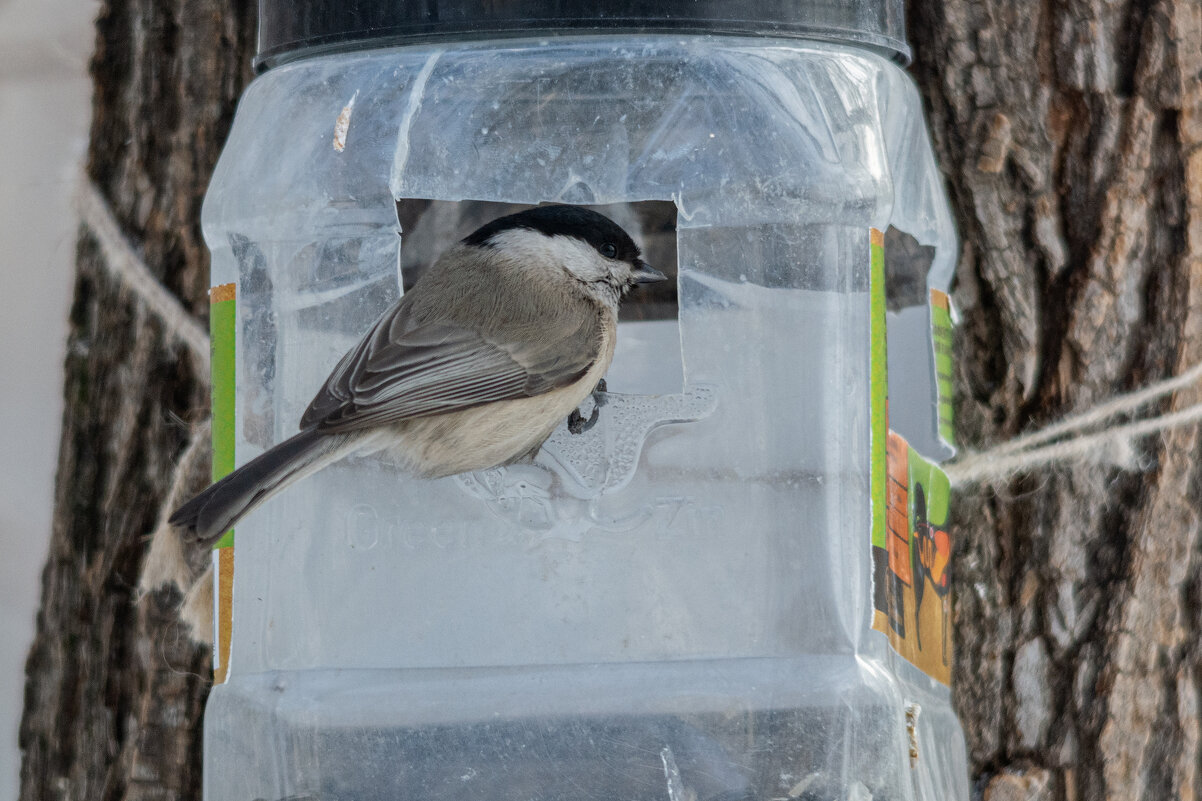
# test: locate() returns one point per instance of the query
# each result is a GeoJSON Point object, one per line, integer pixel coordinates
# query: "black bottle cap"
{"type": "Point", "coordinates": [290, 29]}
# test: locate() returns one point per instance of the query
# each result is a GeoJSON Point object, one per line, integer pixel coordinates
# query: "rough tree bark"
{"type": "Point", "coordinates": [1070, 135]}
{"type": "Point", "coordinates": [1069, 132]}
{"type": "Point", "coordinates": [115, 689]}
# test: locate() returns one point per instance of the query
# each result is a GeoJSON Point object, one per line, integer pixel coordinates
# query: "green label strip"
{"type": "Point", "coordinates": [878, 388]}
{"type": "Point", "coordinates": [222, 323]}
{"type": "Point", "coordinates": [941, 332]}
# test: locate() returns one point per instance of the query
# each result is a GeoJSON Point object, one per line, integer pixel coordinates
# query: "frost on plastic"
{"type": "Point", "coordinates": [676, 604]}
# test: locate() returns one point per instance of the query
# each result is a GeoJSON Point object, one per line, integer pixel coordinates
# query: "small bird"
{"type": "Point", "coordinates": [502, 338]}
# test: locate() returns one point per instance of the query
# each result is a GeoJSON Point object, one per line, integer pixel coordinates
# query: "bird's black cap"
{"type": "Point", "coordinates": [290, 29]}
{"type": "Point", "coordinates": [596, 229]}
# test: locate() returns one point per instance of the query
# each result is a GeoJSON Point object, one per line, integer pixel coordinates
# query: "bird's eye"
{"type": "Point", "coordinates": [609, 250]}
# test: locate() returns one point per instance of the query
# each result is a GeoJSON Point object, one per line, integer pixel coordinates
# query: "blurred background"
{"type": "Point", "coordinates": [45, 109]}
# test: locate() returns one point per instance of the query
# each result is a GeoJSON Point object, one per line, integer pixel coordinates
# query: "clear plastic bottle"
{"type": "Point", "coordinates": [678, 604]}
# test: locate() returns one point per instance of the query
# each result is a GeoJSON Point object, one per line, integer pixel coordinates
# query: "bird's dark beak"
{"type": "Point", "coordinates": [644, 273]}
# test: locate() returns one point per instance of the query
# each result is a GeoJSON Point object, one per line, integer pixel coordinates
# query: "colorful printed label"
{"type": "Point", "coordinates": [222, 324]}
{"type": "Point", "coordinates": [913, 582]}
{"type": "Point", "coordinates": [911, 545]}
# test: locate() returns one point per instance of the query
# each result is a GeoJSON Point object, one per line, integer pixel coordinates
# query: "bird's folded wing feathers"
{"type": "Point", "coordinates": [403, 369]}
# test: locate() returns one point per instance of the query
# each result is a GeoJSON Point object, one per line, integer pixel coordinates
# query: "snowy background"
{"type": "Point", "coordinates": [45, 98]}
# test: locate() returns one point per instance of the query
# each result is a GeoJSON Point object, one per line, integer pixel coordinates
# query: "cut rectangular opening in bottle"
{"type": "Point", "coordinates": [648, 359]}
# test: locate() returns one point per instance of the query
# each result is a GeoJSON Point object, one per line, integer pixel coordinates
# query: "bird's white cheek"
{"type": "Point", "coordinates": [577, 257]}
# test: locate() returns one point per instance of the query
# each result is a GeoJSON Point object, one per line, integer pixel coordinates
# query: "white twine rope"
{"type": "Point", "coordinates": [1114, 445]}
{"type": "Point", "coordinates": [1120, 405]}
{"type": "Point", "coordinates": [123, 263]}
{"type": "Point", "coordinates": [165, 563]}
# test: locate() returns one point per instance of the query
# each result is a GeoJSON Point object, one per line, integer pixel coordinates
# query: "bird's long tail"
{"type": "Point", "coordinates": [213, 512]}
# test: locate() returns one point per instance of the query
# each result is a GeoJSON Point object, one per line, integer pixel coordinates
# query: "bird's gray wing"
{"type": "Point", "coordinates": [404, 368]}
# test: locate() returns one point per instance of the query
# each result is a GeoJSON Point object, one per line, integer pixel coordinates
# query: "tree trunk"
{"type": "Point", "coordinates": [1070, 135]}
{"type": "Point", "coordinates": [115, 689]}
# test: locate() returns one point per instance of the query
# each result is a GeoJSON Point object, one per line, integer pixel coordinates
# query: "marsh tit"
{"type": "Point", "coordinates": [501, 339]}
